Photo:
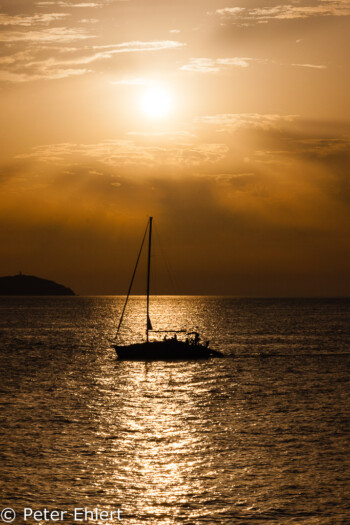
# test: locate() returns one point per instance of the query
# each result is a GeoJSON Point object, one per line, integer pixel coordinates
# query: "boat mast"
{"type": "Point", "coordinates": [149, 326]}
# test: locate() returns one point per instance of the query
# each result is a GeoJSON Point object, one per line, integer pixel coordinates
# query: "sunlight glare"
{"type": "Point", "coordinates": [156, 102]}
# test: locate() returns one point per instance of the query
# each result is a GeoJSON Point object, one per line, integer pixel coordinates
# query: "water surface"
{"type": "Point", "coordinates": [257, 437]}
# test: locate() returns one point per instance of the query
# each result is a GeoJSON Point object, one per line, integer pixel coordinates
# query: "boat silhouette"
{"type": "Point", "coordinates": [171, 346]}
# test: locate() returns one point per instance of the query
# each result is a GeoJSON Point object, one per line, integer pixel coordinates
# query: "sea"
{"type": "Point", "coordinates": [260, 436]}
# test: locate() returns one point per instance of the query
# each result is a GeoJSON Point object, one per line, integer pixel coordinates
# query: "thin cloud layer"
{"type": "Point", "coordinates": [54, 35]}
{"type": "Point", "coordinates": [128, 154]}
{"type": "Point", "coordinates": [138, 45]}
{"type": "Point", "coordinates": [29, 65]}
{"type": "Point", "coordinates": [28, 21]}
{"type": "Point", "coordinates": [74, 4]}
{"type": "Point", "coordinates": [214, 65]}
{"type": "Point", "coordinates": [28, 40]}
{"type": "Point", "coordinates": [312, 66]}
{"type": "Point", "coordinates": [285, 12]}
{"type": "Point", "coordinates": [231, 122]}
{"type": "Point", "coordinates": [262, 183]}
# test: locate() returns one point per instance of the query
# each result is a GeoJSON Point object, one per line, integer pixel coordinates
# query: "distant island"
{"type": "Point", "coordinates": [30, 285]}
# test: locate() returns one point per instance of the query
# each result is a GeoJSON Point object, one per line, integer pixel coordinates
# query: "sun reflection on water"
{"type": "Point", "coordinates": [160, 439]}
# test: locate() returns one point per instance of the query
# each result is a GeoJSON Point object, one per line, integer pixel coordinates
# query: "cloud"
{"type": "Point", "coordinates": [139, 45]}
{"type": "Point", "coordinates": [230, 11]}
{"type": "Point", "coordinates": [276, 191]}
{"type": "Point", "coordinates": [285, 12]}
{"type": "Point", "coordinates": [49, 35]}
{"type": "Point", "coordinates": [23, 67]}
{"type": "Point", "coordinates": [72, 4]}
{"type": "Point", "coordinates": [217, 65]}
{"type": "Point", "coordinates": [232, 121]}
{"type": "Point", "coordinates": [28, 45]}
{"type": "Point", "coordinates": [30, 64]}
{"type": "Point", "coordinates": [312, 66]}
{"type": "Point", "coordinates": [214, 65]}
{"type": "Point", "coordinates": [325, 147]}
{"type": "Point", "coordinates": [81, 4]}
{"type": "Point", "coordinates": [127, 154]}
{"type": "Point", "coordinates": [169, 135]}
{"type": "Point", "coordinates": [52, 74]}
{"type": "Point", "coordinates": [29, 41]}
{"type": "Point", "coordinates": [28, 21]}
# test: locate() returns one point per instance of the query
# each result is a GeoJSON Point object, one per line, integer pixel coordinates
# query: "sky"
{"type": "Point", "coordinates": [227, 121]}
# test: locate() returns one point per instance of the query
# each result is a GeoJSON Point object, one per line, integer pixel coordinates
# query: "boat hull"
{"type": "Point", "coordinates": [165, 351]}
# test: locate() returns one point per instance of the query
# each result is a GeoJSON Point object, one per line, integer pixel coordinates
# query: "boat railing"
{"type": "Point", "coordinates": [169, 331]}
{"type": "Point", "coordinates": [192, 338]}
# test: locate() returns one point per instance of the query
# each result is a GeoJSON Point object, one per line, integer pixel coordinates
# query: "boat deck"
{"type": "Point", "coordinates": [168, 350]}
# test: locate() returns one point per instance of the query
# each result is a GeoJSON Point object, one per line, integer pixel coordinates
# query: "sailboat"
{"type": "Point", "coordinates": [169, 347]}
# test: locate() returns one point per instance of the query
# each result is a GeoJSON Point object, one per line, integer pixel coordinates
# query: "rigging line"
{"type": "Point", "coordinates": [132, 280]}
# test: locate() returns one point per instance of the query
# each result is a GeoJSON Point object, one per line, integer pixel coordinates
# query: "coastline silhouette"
{"type": "Point", "coordinates": [31, 285]}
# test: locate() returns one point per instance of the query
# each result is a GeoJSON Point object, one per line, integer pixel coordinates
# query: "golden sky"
{"type": "Point", "coordinates": [228, 121]}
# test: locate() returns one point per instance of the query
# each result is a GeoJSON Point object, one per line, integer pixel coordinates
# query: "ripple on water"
{"type": "Point", "coordinates": [259, 438]}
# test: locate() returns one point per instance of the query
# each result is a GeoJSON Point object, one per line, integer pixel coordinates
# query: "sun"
{"type": "Point", "coordinates": [156, 102]}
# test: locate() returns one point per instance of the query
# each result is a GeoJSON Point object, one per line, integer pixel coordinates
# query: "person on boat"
{"type": "Point", "coordinates": [196, 338]}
